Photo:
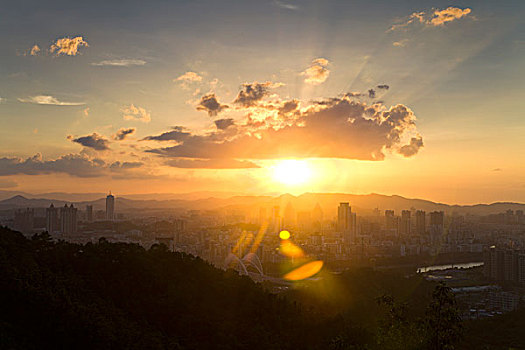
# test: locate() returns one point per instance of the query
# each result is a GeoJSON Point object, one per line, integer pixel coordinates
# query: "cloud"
{"type": "Point", "coordinates": [371, 93]}
{"type": "Point", "coordinates": [34, 50]}
{"type": "Point", "coordinates": [436, 19]}
{"type": "Point", "coordinates": [341, 127]}
{"type": "Point", "coordinates": [188, 78]}
{"type": "Point", "coordinates": [72, 164]}
{"type": "Point", "coordinates": [224, 123]}
{"type": "Point", "coordinates": [2, 100]}
{"type": "Point", "coordinates": [48, 100]}
{"type": "Point", "coordinates": [5, 183]}
{"type": "Point", "coordinates": [211, 105]}
{"type": "Point", "coordinates": [286, 6]}
{"type": "Point", "coordinates": [120, 63]}
{"type": "Point", "coordinates": [400, 43]}
{"type": "Point", "coordinates": [94, 141]}
{"type": "Point", "coordinates": [125, 165]}
{"type": "Point", "coordinates": [86, 112]}
{"type": "Point", "coordinates": [68, 46]}
{"type": "Point", "coordinates": [178, 134]}
{"type": "Point", "coordinates": [383, 87]}
{"type": "Point", "coordinates": [317, 73]}
{"type": "Point", "coordinates": [133, 112]}
{"type": "Point", "coordinates": [211, 164]}
{"type": "Point", "coordinates": [412, 148]}
{"type": "Point", "coordinates": [448, 15]}
{"type": "Point", "coordinates": [123, 133]}
{"type": "Point", "coordinates": [497, 169]}
{"type": "Point", "coordinates": [252, 93]}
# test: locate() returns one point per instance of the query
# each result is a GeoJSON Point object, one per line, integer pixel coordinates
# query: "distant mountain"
{"type": "Point", "coordinates": [362, 204]}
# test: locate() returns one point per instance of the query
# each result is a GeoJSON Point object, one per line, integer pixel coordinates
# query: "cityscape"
{"type": "Point", "coordinates": [492, 244]}
{"type": "Point", "coordinates": [262, 174]}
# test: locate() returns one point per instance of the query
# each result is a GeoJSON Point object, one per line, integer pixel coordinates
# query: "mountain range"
{"type": "Point", "coordinates": [362, 204]}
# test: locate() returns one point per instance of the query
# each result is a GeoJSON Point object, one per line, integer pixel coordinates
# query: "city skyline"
{"type": "Point", "coordinates": [264, 98]}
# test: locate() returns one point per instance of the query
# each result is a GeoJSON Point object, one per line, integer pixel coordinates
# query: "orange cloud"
{"type": "Point", "coordinates": [68, 46]}
{"type": "Point", "coordinates": [133, 112]}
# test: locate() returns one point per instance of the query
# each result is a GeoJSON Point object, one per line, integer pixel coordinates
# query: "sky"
{"type": "Point", "coordinates": [422, 99]}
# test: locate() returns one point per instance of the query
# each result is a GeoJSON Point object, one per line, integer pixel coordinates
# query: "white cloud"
{"type": "Point", "coordinates": [317, 73]}
{"type": "Point", "coordinates": [48, 100]}
{"type": "Point", "coordinates": [120, 63]}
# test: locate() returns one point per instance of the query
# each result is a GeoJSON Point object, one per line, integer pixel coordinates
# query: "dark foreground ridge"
{"type": "Point", "coordinates": [120, 296]}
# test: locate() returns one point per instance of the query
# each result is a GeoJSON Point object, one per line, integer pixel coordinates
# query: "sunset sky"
{"type": "Point", "coordinates": [418, 98]}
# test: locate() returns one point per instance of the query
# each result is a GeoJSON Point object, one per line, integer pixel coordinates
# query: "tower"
{"type": "Point", "coordinates": [110, 207]}
{"type": "Point", "coordinates": [52, 223]}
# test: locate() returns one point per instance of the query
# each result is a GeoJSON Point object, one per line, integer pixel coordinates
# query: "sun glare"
{"type": "Point", "coordinates": [292, 172]}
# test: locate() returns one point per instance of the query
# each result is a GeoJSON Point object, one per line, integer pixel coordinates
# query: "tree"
{"type": "Point", "coordinates": [443, 324]}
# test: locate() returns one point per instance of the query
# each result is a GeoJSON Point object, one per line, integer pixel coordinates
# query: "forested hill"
{"type": "Point", "coordinates": [112, 295]}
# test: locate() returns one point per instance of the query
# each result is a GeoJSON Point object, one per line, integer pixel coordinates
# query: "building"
{"type": "Point", "coordinates": [421, 222]}
{"type": "Point", "coordinates": [346, 222]}
{"type": "Point", "coordinates": [505, 265]}
{"type": "Point", "coordinates": [52, 222]}
{"type": "Point", "coordinates": [89, 213]}
{"type": "Point", "coordinates": [68, 219]}
{"type": "Point", "coordinates": [110, 207]}
{"type": "Point", "coordinates": [437, 226]}
{"type": "Point", "coordinates": [404, 227]}
{"type": "Point", "coordinates": [24, 220]}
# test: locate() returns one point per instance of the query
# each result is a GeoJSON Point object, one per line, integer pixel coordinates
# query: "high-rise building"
{"type": "Point", "coordinates": [346, 221]}
{"type": "Point", "coordinates": [89, 213]}
{"type": "Point", "coordinates": [391, 223]}
{"type": "Point", "coordinates": [52, 222]}
{"type": "Point", "coordinates": [276, 221]}
{"type": "Point", "coordinates": [110, 207]}
{"type": "Point", "coordinates": [404, 227]}
{"type": "Point", "coordinates": [420, 222]}
{"type": "Point", "coordinates": [24, 220]}
{"type": "Point", "coordinates": [437, 226]}
{"type": "Point", "coordinates": [68, 219]}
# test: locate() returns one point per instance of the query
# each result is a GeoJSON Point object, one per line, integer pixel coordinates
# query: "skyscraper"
{"type": "Point", "coordinates": [68, 219]}
{"type": "Point", "coordinates": [52, 223]}
{"type": "Point", "coordinates": [346, 221]}
{"type": "Point", "coordinates": [110, 207]}
{"type": "Point", "coordinates": [420, 222]}
{"type": "Point", "coordinates": [437, 226]}
{"type": "Point", "coordinates": [89, 213]}
{"type": "Point", "coordinates": [404, 228]}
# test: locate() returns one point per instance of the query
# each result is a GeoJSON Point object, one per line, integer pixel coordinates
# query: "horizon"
{"type": "Point", "coordinates": [199, 195]}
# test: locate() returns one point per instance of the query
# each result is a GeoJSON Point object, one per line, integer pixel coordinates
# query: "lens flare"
{"type": "Point", "coordinates": [290, 250]}
{"type": "Point", "coordinates": [305, 271]}
{"type": "Point", "coordinates": [284, 235]}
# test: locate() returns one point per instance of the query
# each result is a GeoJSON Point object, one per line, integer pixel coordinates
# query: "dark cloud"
{"type": "Point", "coordinates": [371, 93]}
{"type": "Point", "coordinates": [211, 105]}
{"type": "Point", "coordinates": [123, 133]}
{"type": "Point", "coordinates": [288, 107]}
{"type": "Point", "coordinates": [222, 124]}
{"type": "Point", "coordinates": [218, 163]}
{"type": "Point", "coordinates": [95, 141]}
{"type": "Point", "coordinates": [125, 165]}
{"type": "Point", "coordinates": [413, 147]}
{"type": "Point", "coordinates": [177, 134]}
{"type": "Point", "coordinates": [252, 93]}
{"type": "Point", "coordinates": [72, 164]}
{"type": "Point", "coordinates": [383, 86]}
{"type": "Point", "coordinates": [336, 128]}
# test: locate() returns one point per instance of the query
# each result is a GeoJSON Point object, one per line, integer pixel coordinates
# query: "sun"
{"type": "Point", "coordinates": [292, 172]}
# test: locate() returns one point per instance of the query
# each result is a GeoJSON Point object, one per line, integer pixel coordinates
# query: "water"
{"type": "Point", "coordinates": [449, 266]}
